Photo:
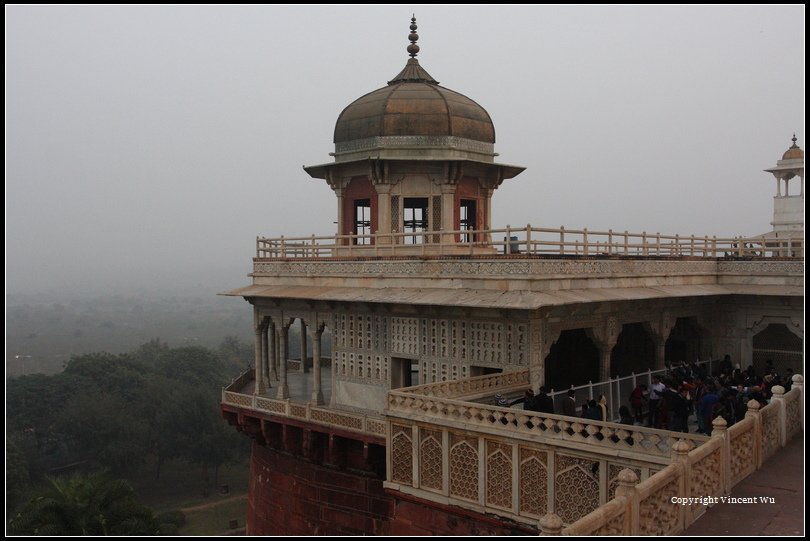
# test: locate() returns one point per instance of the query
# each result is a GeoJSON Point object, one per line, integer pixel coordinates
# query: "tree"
{"type": "Point", "coordinates": [18, 477]}
{"type": "Point", "coordinates": [85, 505]}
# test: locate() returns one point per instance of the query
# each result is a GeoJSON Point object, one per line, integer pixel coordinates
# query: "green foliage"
{"type": "Point", "coordinates": [115, 411]}
{"type": "Point", "coordinates": [85, 505]}
{"type": "Point", "coordinates": [18, 475]}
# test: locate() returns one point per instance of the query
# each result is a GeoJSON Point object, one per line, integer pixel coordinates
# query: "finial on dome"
{"type": "Point", "coordinates": [794, 140]}
{"type": "Point", "coordinates": [413, 48]}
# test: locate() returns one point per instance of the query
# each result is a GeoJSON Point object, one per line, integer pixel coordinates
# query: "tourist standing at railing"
{"type": "Point", "coordinates": [788, 383]}
{"type": "Point", "coordinates": [592, 412]}
{"type": "Point", "coordinates": [655, 399]}
{"type": "Point", "coordinates": [544, 403]}
{"type": "Point", "coordinates": [569, 405]}
{"type": "Point", "coordinates": [603, 411]}
{"type": "Point", "coordinates": [699, 392]}
{"type": "Point", "coordinates": [624, 416]}
{"type": "Point", "coordinates": [638, 399]}
{"type": "Point", "coordinates": [706, 407]}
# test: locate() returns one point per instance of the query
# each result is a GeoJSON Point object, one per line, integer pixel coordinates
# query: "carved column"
{"type": "Point", "coordinates": [317, 393]}
{"type": "Point", "coordinates": [383, 212]}
{"type": "Point", "coordinates": [281, 337]}
{"type": "Point", "coordinates": [265, 356]}
{"type": "Point", "coordinates": [304, 368]}
{"type": "Point", "coordinates": [272, 352]}
{"type": "Point", "coordinates": [259, 387]}
{"type": "Point", "coordinates": [604, 338]}
{"type": "Point", "coordinates": [541, 337]}
{"type": "Point", "coordinates": [488, 224]}
{"type": "Point", "coordinates": [659, 330]}
{"type": "Point", "coordinates": [448, 211]}
{"type": "Point", "coordinates": [339, 194]}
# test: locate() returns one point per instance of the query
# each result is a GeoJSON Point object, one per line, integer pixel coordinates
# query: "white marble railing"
{"type": "Point", "coordinates": [526, 240]}
{"type": "Point", "coordinates": [592, 436]}
{"type": "Point", "coordinates": [710, 470]}
{"type": "Point", "coordinates": [328, 417]}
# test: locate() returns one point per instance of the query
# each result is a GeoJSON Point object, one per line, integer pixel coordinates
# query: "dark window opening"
{"type": "Point", "coordinates": [362, 220]}
{"type": "Point", "coordinates": [415, 219]}
{"type": "Point", "coordinates": [467, 220]}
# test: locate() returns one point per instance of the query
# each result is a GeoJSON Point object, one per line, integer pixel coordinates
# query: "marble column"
{"type": "Point", "coordinates": [660, 352]}
{"type": "Point", "coordinates": [383, 213]}
{"type": "Point", "coordinates": [303, 347]}
{"type": "Point", "coordinates": [265, 357]}
{"type": "Point", "coordinates": [259, 387]}
{"type": "Point", "coordinates": [448, 212]}
{"type": "Point", "coordinates": [317, 393]}
{"type": "Point", "coordinates": [604, 362]}
{"type": "Point", "coordinates": [272, 352]}
{"type": "Point", "coordinates": [281, 337]}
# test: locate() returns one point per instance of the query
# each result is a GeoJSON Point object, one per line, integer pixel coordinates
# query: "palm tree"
{"type": "Point", "coordinates": [85, 505]}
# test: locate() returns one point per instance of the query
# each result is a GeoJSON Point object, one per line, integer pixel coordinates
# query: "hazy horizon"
{"type": "Point", "coordinates": [147, 146]}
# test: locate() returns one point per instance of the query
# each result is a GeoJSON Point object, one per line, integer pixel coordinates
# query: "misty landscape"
{"type": "Point", "coordinates": [147, 147]}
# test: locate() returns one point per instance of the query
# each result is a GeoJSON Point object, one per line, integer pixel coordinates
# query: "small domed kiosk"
{"type": "Point", "coordinates": [414, 164]}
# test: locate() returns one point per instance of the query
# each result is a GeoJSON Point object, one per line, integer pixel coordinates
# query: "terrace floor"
{"type": "Point", "coordinates": [782, 478]}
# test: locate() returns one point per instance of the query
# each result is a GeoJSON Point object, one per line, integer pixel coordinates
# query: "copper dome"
{"type": "Point", "coordinates": [794, 152]}
{"type": "Point", "coordinates": [413, 103]}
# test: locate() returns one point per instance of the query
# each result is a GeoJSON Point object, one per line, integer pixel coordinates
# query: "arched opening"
{"type": "Point", "coordinates": [776, 343]}
{"type": "Point", "coordinates": [634, 351]}
{"type": "Point", "coordinates": [572, 360]}
{"type": "Point", "coordinates": [684, 342]}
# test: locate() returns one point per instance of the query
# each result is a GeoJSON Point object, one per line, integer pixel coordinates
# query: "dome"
{"type": "Point", "coordinates": [794, 152]}
{"type": "Point", "coordinates": [413, 104]}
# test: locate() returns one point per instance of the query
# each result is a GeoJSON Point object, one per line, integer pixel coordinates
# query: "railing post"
{"type": "Point", "coordinates": [626, 489]}
{"type": "Point", "coordinates": [719, 430]}
{"type": "Point", "coordinates": [753, 411]}
{"type": "Point", "coordinates": [508, 246]}
{"type": "Point", "coordinates": [314, 252]}
{"type": "Point", "coordinates": [644, 247]}
{"type": "Point", "coordinates": [739, 246]}
{"type": "Point", "coordinates": [283, 248]}
{"type": "Point", "coordinates": [680, 453]}
{"type": "Point", "coordinates": [677, 244]}
{"type": "Point", "coordinates": [781, 416]}
{"type": "Point", "coordinates": [529, 239]}
{"type": "Point", "coordinates": [658, 243]}
{"type": "Point", "coordinates": [692, 245]}
{"type": "Point", "coordinates": [585, 241]}
{"type": "Point", "coordinates": [798, 383]}
{"type": "Point", "coordinates": [590, 390]}
{"type": "Point", "coordinates": [706, 246]}
{"type": "Point", "coordinates": [550, 524]}
{"type": "Point", "coordinates": [610, 241]}
{"type": "Point", "coordinates": [562, 239]}
{"type": "Point", "coordinates": [626, 243]}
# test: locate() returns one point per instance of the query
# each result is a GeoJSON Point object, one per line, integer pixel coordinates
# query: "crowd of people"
{"type": "Point", "coordinates": [688, 390]}
{"type": "Point", "coordinates": [685, 390]}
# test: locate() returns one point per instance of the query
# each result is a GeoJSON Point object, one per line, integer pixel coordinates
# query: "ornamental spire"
{"type": "Point", "coordinates": [413, 48]}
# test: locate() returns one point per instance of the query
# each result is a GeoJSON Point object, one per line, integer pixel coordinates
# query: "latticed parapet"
{"type": "Point", "coordinates": [598, 478]}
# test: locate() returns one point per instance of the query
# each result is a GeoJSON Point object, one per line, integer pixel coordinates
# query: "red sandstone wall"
{"type": "Point", "coordinates": [290, 496]}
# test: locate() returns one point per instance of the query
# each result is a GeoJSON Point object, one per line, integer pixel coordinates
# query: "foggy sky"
{"type": "Point", "coordinates": [148, 146]}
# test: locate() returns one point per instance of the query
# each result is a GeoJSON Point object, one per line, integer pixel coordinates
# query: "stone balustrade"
{"type": "Point", "coordinates": [526, 240]}
{"type": "Point", "coordinates": [575, 433]}
{"type": "Point", "coordinates": [659, 505]}
{"type": "Point", "coordinates": [366, 424]}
